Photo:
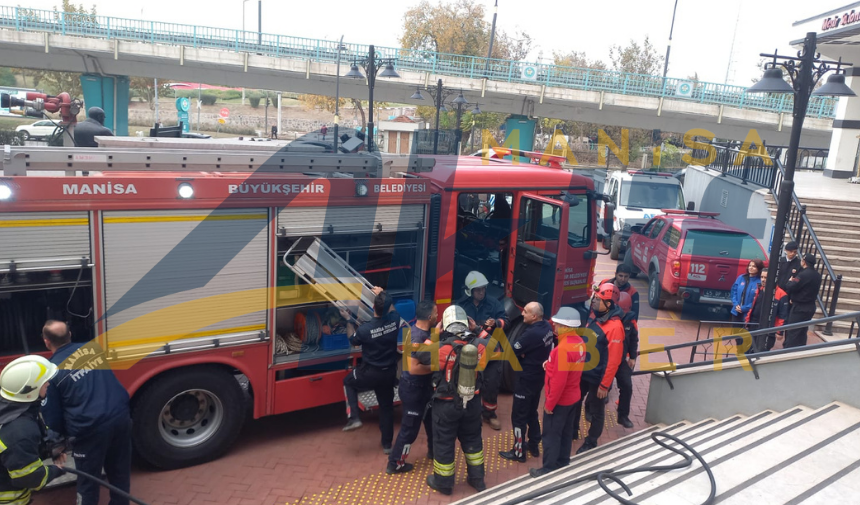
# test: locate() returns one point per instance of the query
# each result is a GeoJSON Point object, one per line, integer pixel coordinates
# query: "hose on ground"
{"type": "Point", "coordinates": [105, 484]}
{"type": "Point", "coordinates": [615, 475]}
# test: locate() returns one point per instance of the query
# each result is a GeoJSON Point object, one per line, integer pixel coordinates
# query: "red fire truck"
{"type": "Point", "coordinates": [198, 269]}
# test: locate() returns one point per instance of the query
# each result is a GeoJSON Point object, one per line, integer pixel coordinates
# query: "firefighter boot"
{"type": "Point", "coordinates": [494, 423]}
{"type": "Point", "coordinates": [513, 456]}
{"type": "Point", "coordinates": [393, 468]}
{"type": "Point", "coordinates": [431, 481]}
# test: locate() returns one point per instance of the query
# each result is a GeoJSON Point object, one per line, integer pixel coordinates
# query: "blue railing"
{"type": "Point", "coordinates": [325, 51]}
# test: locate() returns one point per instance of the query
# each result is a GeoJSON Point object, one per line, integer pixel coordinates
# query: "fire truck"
{"type": "Point", "coordinates": [206, 271]}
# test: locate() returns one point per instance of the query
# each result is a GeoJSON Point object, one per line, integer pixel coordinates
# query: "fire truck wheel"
{"type": "Point", "coordinates": [615, 247]}
{"type": "Point", "coordinates": [656, 295]}
{"type": "Point", "coordinates": [508, 373]}
{"type": "Point", "coordinates": [628, 260]}
{"type": "Point", "coordinates": [187, 417]}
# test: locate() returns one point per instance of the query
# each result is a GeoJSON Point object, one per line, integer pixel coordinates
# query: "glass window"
{"type": "Point", "coordinates": [579, 224]}
{"type": "Point", "coordinates": [658, 227]}
{"type": "Point", "coordinates": [672, 237]}
{"type": "Point", "coordinates": [646, 194]}
{"type": "Point", "coordinates": [648, 227]}
{"type": "Point", "coordinates": [539, 221]}
{"type": "Point", "coordinates": [722, 244]}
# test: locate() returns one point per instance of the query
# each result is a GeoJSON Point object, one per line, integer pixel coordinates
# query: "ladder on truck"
{"type": "Point", "coordinates": [80, 161]}
{"type": "Point", "coordinates": [334, 279]}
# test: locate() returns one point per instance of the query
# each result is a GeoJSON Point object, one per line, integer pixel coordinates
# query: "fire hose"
{"type": "Point", "coordinates": [105, 484]}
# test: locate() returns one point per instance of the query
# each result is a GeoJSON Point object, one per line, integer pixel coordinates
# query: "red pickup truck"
{"type": "Point", "coordinates": [690, 257]}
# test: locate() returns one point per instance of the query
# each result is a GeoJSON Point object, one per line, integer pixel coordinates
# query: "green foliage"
{"type": "Point", "coordinates": [10, 137]}
{"type": "Point", "coordinates": [254, 99]}
{"type": "Point", "coordinates": [208, 98]}
{"type": "Point", "coordinates": [7, 78]}
{"type": "Point", "coordinates": [637, 59]}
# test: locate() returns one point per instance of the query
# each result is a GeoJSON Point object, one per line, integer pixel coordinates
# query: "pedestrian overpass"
{"type": "Point", "coordinates": [73, 42]}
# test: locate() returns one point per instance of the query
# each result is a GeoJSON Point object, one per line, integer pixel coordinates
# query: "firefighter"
{"type": "Point", "coordinates": [485, 315]}
{"type": "Point", "coordinates": [532, 350]}
{"type": "Point", "coordinates": [802, 291]}
{"type": "Point", "coordinates": [563, 374]}
{"type": "Point", "coordinates": [378, 369]}
{"type": "Point", "coordinates": [24, 383]}
{"type": "Point", "coordinates": [87, 130]}
{"type": "Point", "coordinates": [457, 402]}
{"type": "Point", "coordinates": [605, 342]}
{"type": "Point", "coordinates": [624, 375]}
{"type": "Point", "coordinates": [622, 282]}
{"type": "Point", "coordinates": [416, 390]}
{"type": "Point", "coordinates": [86, 401]}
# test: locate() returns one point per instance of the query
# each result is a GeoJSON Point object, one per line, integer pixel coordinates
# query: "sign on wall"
{"type": "Point", "coordinates": [530, 73]}
{"type": "Point", "coordinates": [685, 89]}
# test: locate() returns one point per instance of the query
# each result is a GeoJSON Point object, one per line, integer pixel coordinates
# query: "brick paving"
{"type": "Point", "coordinates": [303, 458]}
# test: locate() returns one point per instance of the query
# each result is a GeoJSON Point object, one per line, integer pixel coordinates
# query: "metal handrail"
{"type": "Point", "coordinates": [672, 366]}
{"type": "Point", "coordinates": [318, 50]}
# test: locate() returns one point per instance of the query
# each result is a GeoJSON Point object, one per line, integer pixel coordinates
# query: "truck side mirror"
{"type": "Point", "coordinates": [691, 205]}
{"type": "Point", "coordinates": [608, 218]}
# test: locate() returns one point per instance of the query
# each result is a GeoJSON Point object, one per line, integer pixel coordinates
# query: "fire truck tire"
{"type": "Point", "coordinates": [628, 260]}
{"type": "Point", "coordinates": [656, 295]}
{"type": "Point", "coordinates": [187, 417]}
{"type": "Point", "coordinates": [615, 247]}
{"type": "Point", "coordinates": [508, 373]}
{"type": "Point", "coordinates": [605, 239]}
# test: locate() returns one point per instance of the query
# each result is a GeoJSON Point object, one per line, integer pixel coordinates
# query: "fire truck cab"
{"type": "Point", "coordinates": [210, 275]}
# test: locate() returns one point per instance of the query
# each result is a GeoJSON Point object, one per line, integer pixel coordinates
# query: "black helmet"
{"type": "Point", "coordinates": [96, 113]}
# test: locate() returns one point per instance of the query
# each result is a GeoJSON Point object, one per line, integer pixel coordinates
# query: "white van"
{"type": "Point", "coordinates": [638, 196]}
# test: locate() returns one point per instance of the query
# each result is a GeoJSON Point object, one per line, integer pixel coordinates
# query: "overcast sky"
{"type": "Point", "coordinates": [702, 41]}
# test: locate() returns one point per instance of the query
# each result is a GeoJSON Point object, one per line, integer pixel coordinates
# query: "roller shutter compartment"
{"type": "Point", "coordinates": [181, 274]}
{"type": "Point", "coordinates": [306, 221]}
{"type": "Point", "coordinates": [44, 240]}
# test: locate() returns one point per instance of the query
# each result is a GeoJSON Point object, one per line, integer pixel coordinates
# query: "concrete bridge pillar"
{"type": "Point", "coordinates": [842, 160]}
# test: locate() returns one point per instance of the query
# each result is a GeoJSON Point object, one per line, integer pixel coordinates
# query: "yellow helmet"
{"type": "Point", "coordinates": [22, 379]}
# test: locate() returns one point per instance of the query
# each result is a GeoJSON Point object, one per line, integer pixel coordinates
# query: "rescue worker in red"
{"type": "Point", "coordinates": [456, 404]}
{"type": "Point", "coordinates": [561, 388]}
{"type": "Point", "coordinates": [415, 391]}
{"type": "Point", "coordinates": [485, 315]}
{"type": "Point", "coordinates": [780, 301]}
{"type": "Point", "coordinates": [532, 349]}
{"type": "Point", "coordinates": [378, 369]}
{"type": "Point", "coordinates": [624, 375]}
{"type": "Point", "coordinates": [605, 344]}
{"type": "Point", "coordinates": [622, 282]}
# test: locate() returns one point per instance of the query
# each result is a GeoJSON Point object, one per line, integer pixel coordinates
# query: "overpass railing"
{"type": "Point", "coordinates": [754, 169]}
{"type": "Point", "coordinates": [325, 51]}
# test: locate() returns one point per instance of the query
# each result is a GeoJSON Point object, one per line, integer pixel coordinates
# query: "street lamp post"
{"type": "Point", "coordinates": [337, 94]}
{"type": "Point", "coordinates": [804, 72]}
{"type": "Point", "coordinates": [440, 95]}
{"type": "Point", "coordinates": [372, 65]}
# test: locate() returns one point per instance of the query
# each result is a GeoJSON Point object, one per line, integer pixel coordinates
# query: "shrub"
{"type": "Point", "coordinates": [10, 137]}
{"type": "Point", "coordinates": [254, 100]}
{"type": "Point", "coordinates": [208, 99]}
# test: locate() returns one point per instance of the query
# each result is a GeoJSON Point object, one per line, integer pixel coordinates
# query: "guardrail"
{"type": "Point", "coordinates": [325, 51]}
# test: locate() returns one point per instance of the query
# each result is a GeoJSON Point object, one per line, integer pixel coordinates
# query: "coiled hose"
{"type": "Point", "coordinates": [615, 476]}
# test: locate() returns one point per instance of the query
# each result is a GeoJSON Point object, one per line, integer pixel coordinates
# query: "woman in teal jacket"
{"type": "Point", "coordinates": [743, 290]}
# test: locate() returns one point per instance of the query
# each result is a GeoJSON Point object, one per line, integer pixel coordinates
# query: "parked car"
{"type": "Point", "coordinates": [38, 130]}
{"type": "Point", "coordinates": [638, 196]}
{"type": "Point", "coordinates": [690, 257]}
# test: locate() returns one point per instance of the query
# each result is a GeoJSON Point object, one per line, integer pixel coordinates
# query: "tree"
{"type": "Point", "coordinates": [322, 102]}
{"type": "Point", "coordinates": [7, 78]}
{"type": "Point", "coordinates": [577, 59]}
{"type": "Point", "coordinates": [637, 59]}
{"type": "Point", "coordinates": [145, 88]}
{"type": "Point", "coordinates": [459, 28]}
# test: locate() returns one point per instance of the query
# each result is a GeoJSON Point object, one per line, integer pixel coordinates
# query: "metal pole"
{"type": "Point", "coordinates": [266, 126]}
{"type": "Point", "coordinates": [371, 81]}
{"type": "Point", "coordinates": [260, 22]}
{"type": "Point", "coordinates": [199, 91]}
{"type": "Point", "coordinates": [337, 95]}
{"type": "Point", "coordinates": [156, 100]}
{"type": "Point", "coordinates": [802, 90]}
{"type": "Point", "coordinates": [279, 115]}
{"type": "Point", "coordinates": [457, 132]}
{"type": "Point", "coordinates": [492, 38]}
{"type": "Point", "coordinates": [438, 106]}
{"type": "Point", "coordinates": [669, 46]}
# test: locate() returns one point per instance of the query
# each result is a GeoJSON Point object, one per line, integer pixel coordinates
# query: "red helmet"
{"type": "Point", "coordinates": [608, 292]}
{"type": "Point", "coordinates": [625, 302]}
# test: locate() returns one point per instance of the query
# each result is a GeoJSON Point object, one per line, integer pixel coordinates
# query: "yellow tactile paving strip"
{"type": "Point", "coordinates": [383, 489]}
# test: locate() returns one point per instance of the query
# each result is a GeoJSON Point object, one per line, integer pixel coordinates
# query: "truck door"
{"type": "Point", "coordinates": [539, 256]}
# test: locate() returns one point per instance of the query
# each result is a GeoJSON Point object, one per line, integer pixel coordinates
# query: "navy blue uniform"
{"type": "Point", "coordinates": [489, 308]}
{"type": "Point", "coordinates": [22, 469]}
{"type": "Point", "coordinates": [415, 394]}
{"type": "Point", "coordinates": [86, 401]}
{"type": "Point", "coordinates": [378, 370]}
{"type": "Point", "coordinates": [532, 349]}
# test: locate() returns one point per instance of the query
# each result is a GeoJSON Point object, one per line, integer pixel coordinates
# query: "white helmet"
{"type": "Point", "coordinates": [475, 279]}
{"type": "Point", "coordinates": [455, 320]}
{"type": "Point", "coordinates": [22, 379]}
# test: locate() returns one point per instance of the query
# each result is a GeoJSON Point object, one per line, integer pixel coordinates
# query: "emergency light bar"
{"type": "Point", "coordinates": [681, 212]}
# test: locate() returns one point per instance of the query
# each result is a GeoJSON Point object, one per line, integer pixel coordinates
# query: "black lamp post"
{"type": "Point", "coordinates": [440, 95]}
{"type": "Point", "coordinates": [372, 64]}
{"type": "Point", "coordinates": [804, 71]}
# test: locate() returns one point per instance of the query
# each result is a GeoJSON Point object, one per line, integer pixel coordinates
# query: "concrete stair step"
{"type": "Point", "coordinates": [821, 447]}
{"type": "Point", "coordinates": [652, 487]}
{"type": "Point", "coordinates": [829, 204]}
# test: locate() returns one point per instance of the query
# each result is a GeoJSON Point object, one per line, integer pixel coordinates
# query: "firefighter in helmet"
{"type": "Point", "coordinates": [605, 342]}
{"type": "Point", "coordinates": [457, 402]}
{"type": "Point", "coordinates": [485, 315]}
{"type": "Point", "coordinates": [24, 383]}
